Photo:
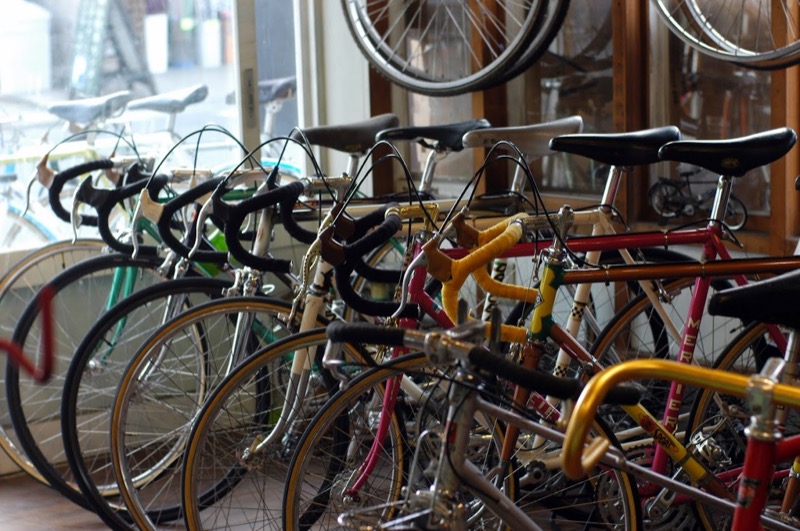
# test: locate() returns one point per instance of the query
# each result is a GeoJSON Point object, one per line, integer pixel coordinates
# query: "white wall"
{"type": "Point", "coordinates": [332, 74]}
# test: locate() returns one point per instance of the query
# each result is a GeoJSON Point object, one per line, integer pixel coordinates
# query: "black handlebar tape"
{"type": "Point", "coordinates": [367, 221]}
{"type": "Point", "coordinates": [375, 274]}
{"type": "Point", "coordinates": [364, 270]}
{"type": "Point", "coordinates": [538, 381]}
{"type": "Point", "coordinates": [61, 178]}
{"type": "Point", "coordinates": [97, 197]}
{"type": "Point", "coordinates": [341, 331]}
{"type": "Point", "coordinates": [172, 206]}
{"type": "Point", "coordinates": [357, 249]}
{"type": "Point", "coordinates": [364, 306]}
{"type": "Point", "coordinates": [286, 210]}
{"type": "Point", "coordinates": [115, 196]}
{"type": "Point", "coordinates": [542, 382]}
{"type": "Point", "coordinates": [234, 215]}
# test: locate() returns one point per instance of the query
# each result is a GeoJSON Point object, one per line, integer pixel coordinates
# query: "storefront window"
{"type": "Point", "coordinates": [713, 99]}
{"type": "Point", "coordinates": [67, 51]}
{"type": "Point", "coordinates": [574, 77]}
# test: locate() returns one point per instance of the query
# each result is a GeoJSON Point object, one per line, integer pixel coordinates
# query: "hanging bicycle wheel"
{"type": "Point", "coordinates": [761, 34]}
{"type": "Point", "coordinates": [443, 47]}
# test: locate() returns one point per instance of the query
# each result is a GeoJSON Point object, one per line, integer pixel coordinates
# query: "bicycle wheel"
{"type": "Point", "coordinates": [666, 199]}
{"type": "Point", "coordinates": [338, 438]}
{"type": "Point", "coordinates": [34, 408]}
{"type": "Point", "coordinates": [95, 373]}
{"type": "Point", "coordinates": [553, 20]}
{"type": "Point", "coordinates": [18, 287]}
{"type": "Point", "coordinates": [752, 33]}
{"type": "Point", "coordinates": [735, 214]}
{"type": "Point", "coordinates": [717, 423]}
{"type": "Point", "coordinates": [227, 484]}
{"type": "Point", "coordinates": [23, 231]}
{"type": "Point", "coordinates": [165, 385]}
{"type": "Point", "coordinates": [639, 331]}
{"type": "Point", "coordinates": [443, 48]}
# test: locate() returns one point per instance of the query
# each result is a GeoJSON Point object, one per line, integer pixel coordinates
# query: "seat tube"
{"type": "Point", "coordinates": [762, 439]}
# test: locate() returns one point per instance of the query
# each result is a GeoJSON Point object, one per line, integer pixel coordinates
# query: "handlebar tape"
{"type": "Point", "coordinates": [172, 206]}
{"type": "Point", "coordinates": [115, 196]}
{"type": "Point", "coordinates": [542, 382]}
{"type": "Point", "coordinates": [341, 331]}
{"type": "Point", "coordinates": [234, 215]}
{"type": "Point", "coordinates": [61, 178]}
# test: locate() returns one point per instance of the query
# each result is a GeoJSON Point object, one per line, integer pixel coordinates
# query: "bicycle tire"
{"type": "Point", "coordinates": [372, 29]}
{"type": "Point", "coordinates": [735, 214]}
{"type": "Point", "coordinates": [721, 443]}
{"type": "Point", "coordinates": [554, 17]}
{"type": "Point", "coordinates": [637, 333]}
{"type": "Point", "coordinates": [717, 31]}
{"type": "Point", "coordinates": [666, 199]}
{"type": "Point", "coordinates": [95, 372]}
{"type": "Point", "coordinates": [166, 384]}
{"type": "Point", "coordinates": [219, 484]}
{"type": "Point", "coordinates": [17, 227]}
{"type": "Point", "coordinates": [18, 286]}
{"type": "Point", "coordinates": [302, 514]}
{"type": "Point", "coordinates": [29, 403]}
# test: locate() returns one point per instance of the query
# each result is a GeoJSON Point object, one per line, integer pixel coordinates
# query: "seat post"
{"type": "Point", "coordinates": [612, 186]}
{"type": "Point", "coordinates": [724, 186]}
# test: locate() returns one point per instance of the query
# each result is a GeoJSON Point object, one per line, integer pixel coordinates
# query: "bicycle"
{"type": "Point", "coordinates": [288, 349]}
{"type": "Point", "coordinates": [671, 199]}
{"type": "Point", "coordinates": [441, 487]}
{"type": "Point", "coordinates": [753, 406]}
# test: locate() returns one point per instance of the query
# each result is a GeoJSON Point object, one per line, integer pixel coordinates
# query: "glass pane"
{"type": "Point", "coordinates": [455, 170]}
{"type": "Point", "coordinates": [67, 51]}
{"type": "Point", "coordinates": [574, 77]}
{"type": "Point", "coordinates": [714, 99]}
{"type": "Point", "coordinates": [276, 70]}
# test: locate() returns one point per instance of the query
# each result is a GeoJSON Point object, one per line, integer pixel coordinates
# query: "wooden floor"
{"type": "Point", "coordinates": [28, 505]}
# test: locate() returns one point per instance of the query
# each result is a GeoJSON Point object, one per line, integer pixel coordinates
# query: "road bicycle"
{"type": "Point", "coordinates": [751, 433]}
{"type": "Point", "coordinates": [240, 379]}
{"type": "Point", "coordinates": [444, 483]}
{"type": "Point", "coordinates": [671, 199]}
{"type": "Point", "coordinates": [311, 497]}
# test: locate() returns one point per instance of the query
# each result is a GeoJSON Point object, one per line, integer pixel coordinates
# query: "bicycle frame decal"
{"type": "Point", "coordinates": [542, 319]}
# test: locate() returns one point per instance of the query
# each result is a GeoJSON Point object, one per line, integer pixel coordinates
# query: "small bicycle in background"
{"type": "Point", "coordinates": [671, 198]}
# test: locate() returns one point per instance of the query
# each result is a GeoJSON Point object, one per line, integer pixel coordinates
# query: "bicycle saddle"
{"type": "Point", "coordinates": [355, 137]}
{"type": "Point", "coordinates": [760, 301]}
{"type": "Point", "coordinates": [89, 110]}
{"type": "Point", "coordinates": [269, 90]}
{"type": "Point", "coordinates": [735, 156]}
{"type": "Point", "coordinates": [618, 149]}
{"type": "Point", "coordinates": [532, 140]}
{"type": "Point", "coordinates": [447, 137]}
{"type": "Point", "coordinates": [171, 102]}
{"type": "Point", "coordinates": [281, 88]}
